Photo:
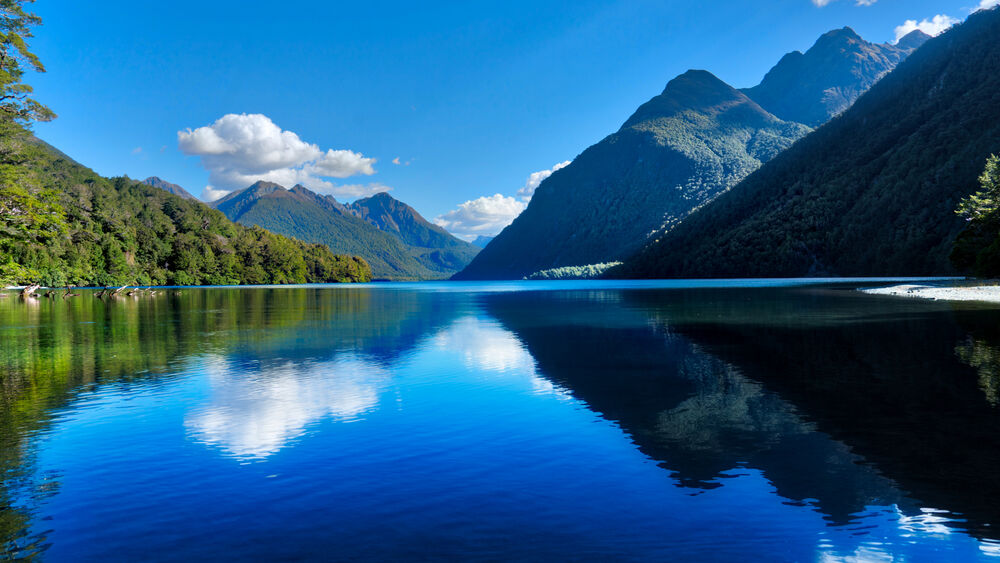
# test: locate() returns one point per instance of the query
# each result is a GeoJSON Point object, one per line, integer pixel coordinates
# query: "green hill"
{"type": "Point", "coordinates": [63, 224]}
{"type": "Point", "coordinates": [392, 237]}
{"type": "Point", "coordinates": [872, 192]}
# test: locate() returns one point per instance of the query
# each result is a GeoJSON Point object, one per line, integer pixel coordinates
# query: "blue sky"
{"type": "Point", "coordinates": [470, 97]}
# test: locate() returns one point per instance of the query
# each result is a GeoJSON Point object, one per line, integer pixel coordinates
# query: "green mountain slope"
{"type": "Point", "coordinates": [157, 182]}
{"type": "Point", "coordinates": [870, 193]}
{"type": "Point", "coordinates": [308, 216]}
{"type": "Point", "coordinates": [436, 248]}
{"type": "Point", "coordinates": [679, 150]}
{"type": "Point", "coordinates": [814, 86]}
{"type": "Point", "coordinates": [63, 224]}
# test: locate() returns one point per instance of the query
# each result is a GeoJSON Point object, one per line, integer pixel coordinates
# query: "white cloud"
{"type": "Point", "coordinates": [343, 164]}
{"type": "Point", "coordinates": [535, 178]}
{"type": "Point", "coordinates": [354, 191]}
{"type": "Point", "coordinates": [482, 216]}
{"type": "Point", "coordinates": [822, 3]}
{"type": "Point", "coordinates": [211, 194]}
{"type": "Point", "coordinates": [240, 149]}
{"type": "Point", "coordinates": [987, 4]}
{"type": "Point", "coordinates": [488, 215]}
{"type": "Point", "coordinates": [137, 150]}
{"type": "Point", "coordinates": [932, 27]}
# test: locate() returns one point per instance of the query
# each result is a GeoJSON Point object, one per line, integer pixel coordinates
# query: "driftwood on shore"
{"type": "Point", "coordinates": [29, 291]}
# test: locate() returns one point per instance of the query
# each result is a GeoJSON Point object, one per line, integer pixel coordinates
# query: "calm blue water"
{"type": "Point", "coordinates": [727, 421]}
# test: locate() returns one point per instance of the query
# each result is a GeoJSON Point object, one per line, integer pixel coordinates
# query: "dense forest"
{"type": "Point", "coordinates": [62, 224]}
{"type": "Point", "coordinates": [872, 192]}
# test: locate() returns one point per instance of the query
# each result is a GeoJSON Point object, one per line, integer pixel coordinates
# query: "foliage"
{"type": "Point", "coordinates": [82, 229]}
{"type": "Point", "coordinates": [872, 192]}
{"type": "Point", "coordinates": [987, 200]}
{"type": "Point", "coordinates": [977, 248]}
{"type": "Point", "coordinates": [586, 272]}
{"type": "Point", "coordinates": [16, 103]}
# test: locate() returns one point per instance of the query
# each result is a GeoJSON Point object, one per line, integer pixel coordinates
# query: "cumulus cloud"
{"type": "Point", "coordinates": [208, 193]}
{"type": "Point", "coordinates": [932, 27]}
{"type": "Point", "coordinates": [137, 150]}
{"type": "Point", "coordinates": [488, 215]}
{"type": "Point", "coordinates": [987, 4]}
{"type": "Point", "coordinates": [343, 164]}
{"type": "Point", "coordinates": [353, 191]}
{"type": "Point", "coordinates": [481, 216]}
{"type": "Point", "coordinates": [240, 149]}
{"type": "Point", "coordinates": [822, 3]}
{"type": "Point", "coordinates": [535, 179]}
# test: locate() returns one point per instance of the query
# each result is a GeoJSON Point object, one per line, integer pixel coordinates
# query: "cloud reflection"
{"type": "Point", "coordinates": [253, 414]}
{"type": "Point", "coordinates": [487, 346]}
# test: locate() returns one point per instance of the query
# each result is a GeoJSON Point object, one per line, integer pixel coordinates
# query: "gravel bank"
{"type": "Point", "coordinates": [988, 293]}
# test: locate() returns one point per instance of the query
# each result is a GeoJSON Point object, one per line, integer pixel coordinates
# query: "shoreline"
{"type": "Point", "coordinates": [981, 293]}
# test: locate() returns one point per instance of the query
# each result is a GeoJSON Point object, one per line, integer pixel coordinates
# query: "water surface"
{"type": "Point", "coordinates": [750, 420]}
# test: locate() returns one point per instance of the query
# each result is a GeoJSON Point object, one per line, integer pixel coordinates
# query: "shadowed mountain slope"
{"type": "Point", "coordinates": [677, 151]}
{"type": "Point", "coordinates": [873, 192]}
{"type": "Point", "coordinates": [824, 81]}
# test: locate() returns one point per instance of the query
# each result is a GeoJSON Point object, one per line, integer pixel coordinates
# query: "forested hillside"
{"type": "Point", "coordinates": [391, 236]}
{"type": "Point", "coordinates": [62, 224]}
{"type": "Point", "coordinates": [677, 151]}
{"type": "Point", "coordinates": [873, 192]}
{"type": "Point", "coordinates": [157, 182]}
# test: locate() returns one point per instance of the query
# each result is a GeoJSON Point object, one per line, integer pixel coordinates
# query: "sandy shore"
{"type": "Point", "coordinates": [988, 293]}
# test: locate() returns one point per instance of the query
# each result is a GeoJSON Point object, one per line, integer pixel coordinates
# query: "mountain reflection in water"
{"type": "Point", "coordinates": [451, 419]}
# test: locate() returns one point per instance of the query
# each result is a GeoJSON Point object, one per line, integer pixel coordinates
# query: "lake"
{"type": "Point", "coordinates": [753, 420]}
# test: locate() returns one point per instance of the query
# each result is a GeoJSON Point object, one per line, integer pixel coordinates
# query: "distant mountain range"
{"type": "Point", "coordinates": [872, 192]}
{"type": "Point", "coordinates": [824, 81]}
{"type": "Point", "coordinates": [391, 236]}
{"type": "Point", "coordinates": [172, 188]}
{"type": "Point", "coordinates": [679, 151]}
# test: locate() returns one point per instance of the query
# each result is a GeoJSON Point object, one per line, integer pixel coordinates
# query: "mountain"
{"type": "Point", "coordinates": [395, 240]}
{"type": "Point", "coordinates": [445, 251]}
{"type": "Point", "coordinates": [677, 151]}
{"type": "Point", "coordinates": [481, 241]}
{"type": "Point", "coordinates": [814, 86]}
{"type": "Point", "coordinates": [69, 226]}
{"type": "Point", "coordinates": [157, 182]}
{"type": "Point", "coordinates": [872, 192]}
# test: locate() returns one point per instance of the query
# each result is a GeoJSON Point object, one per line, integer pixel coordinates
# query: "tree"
{"type": "Point", "coordinates": [987, 200]}
{"type": "Point", "coordinates": [977, 248]}
{"type": "Point", "coordinates": [16, 103]}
